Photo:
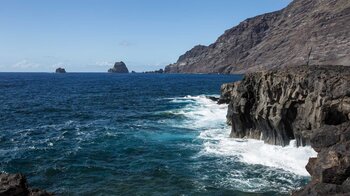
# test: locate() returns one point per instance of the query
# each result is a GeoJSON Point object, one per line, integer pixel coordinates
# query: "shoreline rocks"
{"type": "Point", "coordinates": [119, 67]}
{"type": "Point", "coordinates": [310, 104]}
{"type": "Point", "coordinates": [16, 185]}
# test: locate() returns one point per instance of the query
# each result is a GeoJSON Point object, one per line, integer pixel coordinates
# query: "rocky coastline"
{"type": "Point", "coordinates": [16, 185]}
{"type": "Point", "coordinates": [309, 104]}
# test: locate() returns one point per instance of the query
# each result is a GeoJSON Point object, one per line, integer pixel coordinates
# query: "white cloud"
{"type": "Point", "coordinates": [25, 64]}
{"type": "Point", "coordinates": [104, 63]}
{"type": "Point", "coordinates": [57, 65]}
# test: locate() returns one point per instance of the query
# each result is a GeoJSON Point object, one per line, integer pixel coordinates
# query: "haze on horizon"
{"type": "Point", "coordinates": [90, 35]}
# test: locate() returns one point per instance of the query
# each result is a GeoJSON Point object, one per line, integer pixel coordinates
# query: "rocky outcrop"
{"type": "Point", "coordinates": [330, 171]}
{"type": "Point", "coordinates": [16, 185]}
{"type": "Point", "coordinates": [308, 103]}
{"type": "Point", "coordinates": [60, 70]}
{"type": "Point", "coordinates": [282, 105]}
{"type": "Point", "coordinates": [307, 32]}
{"type": "Point", "coordinates": [160, 71]}
{"type": "Point", "coordinates": [119, 67]}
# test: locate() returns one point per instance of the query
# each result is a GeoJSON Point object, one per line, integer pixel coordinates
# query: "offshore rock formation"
{"type": "Point", "coordinates": [308, 103]}
{"type": "Point", "coordinates": [281, 105]}
{"type": "Point", "coordinates": [307, 32]}
{"type": "Point", "coordinates": [16, 185]}
{"type": "Point", "coordinates": [119, 67]}
{"type": "Point", "coordinates": [60, 70]}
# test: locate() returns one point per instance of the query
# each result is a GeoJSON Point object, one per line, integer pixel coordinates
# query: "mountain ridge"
{"type": "Point", "coordinates": [306, 32]}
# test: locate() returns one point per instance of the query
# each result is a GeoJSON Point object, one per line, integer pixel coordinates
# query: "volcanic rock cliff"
{"type": "Point", "coordinates": [308, 103]}
{"type": "Point", "coordinates": [307, 32]}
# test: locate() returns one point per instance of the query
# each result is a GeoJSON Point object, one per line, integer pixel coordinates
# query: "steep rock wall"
{"type": "Point", "coordinates": [281, 105]}
{"type": "Point", "coordinates": [308, 103]}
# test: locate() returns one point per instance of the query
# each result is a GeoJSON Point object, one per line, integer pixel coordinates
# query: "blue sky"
{"type": "Point", "coordinates": [89, 35]}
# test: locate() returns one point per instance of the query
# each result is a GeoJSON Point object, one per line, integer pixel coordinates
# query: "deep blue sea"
{"type": "Point", "coordinates": [135, 134]}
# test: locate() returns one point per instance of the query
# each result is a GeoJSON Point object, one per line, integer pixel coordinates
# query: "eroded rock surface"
{"type": "Point", "coordinates": [282, 105]}
{"type": "Point", "coordinates": [16, 185]}
{"type": "Point", "coordinates": [307, 32]}
{"type": "Point", "coordinates": [330, 171]}
{"type": "Point", "coordinates": [308, 103]}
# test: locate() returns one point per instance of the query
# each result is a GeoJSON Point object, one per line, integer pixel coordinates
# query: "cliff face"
{"type": "Point", "coordinates": [308, 103]}
{"type": "Point", "coordinates": [281, 105]}
{"type": "Point", "coordinates": [307, 32]}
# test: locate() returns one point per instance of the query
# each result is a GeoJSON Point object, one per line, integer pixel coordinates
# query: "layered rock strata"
{"type": "Point", "coordinates": [310, 32]}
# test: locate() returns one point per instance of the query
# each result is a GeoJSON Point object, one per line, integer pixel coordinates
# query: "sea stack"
{"type": "Point", "coordinates": [60, 70]}
{"type": "Point", "coordinates": [119, 67]}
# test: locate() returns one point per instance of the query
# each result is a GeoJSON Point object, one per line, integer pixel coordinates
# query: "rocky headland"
{"type": "Point", "coordinates": [119, 67]}
{"type": "Point", "coordinates": [306, 32]}
{"type": "Point", "coordinates": [309, 104]}
{"type": "Point", "coordinates": [60, 70]}
{"type": "Point", "coordinates": [16, 185]}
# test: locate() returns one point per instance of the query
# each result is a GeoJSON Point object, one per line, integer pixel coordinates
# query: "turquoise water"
{"type": "Point", "coordinates": [136, 134]}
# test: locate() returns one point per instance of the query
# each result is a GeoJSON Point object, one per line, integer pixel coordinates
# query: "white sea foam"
{"type": "Point", "coordinates": [209, 118]}
{"type": "Point", "coordinates": [201, 112]}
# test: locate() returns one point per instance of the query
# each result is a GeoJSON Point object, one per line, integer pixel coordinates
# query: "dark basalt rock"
{"type": "Point", "coordinates": [282, 105]}
{"type": "Point", "coordinates": [307, 32]}
{"type": "Point", "coordinates": [16, 185]}
{"type": "Point", "coordinates": [60, 70]}
{"type": "Point", "coordinates": [160, 71]}
{"type": "Point", "coordinates": [216, 99]}
{"type": "Point", "coordinates": [308, 103]}
{"type": "Point", "coordinates": [330, 171]}
{"type": "Point", "coordinates": [119, 67]}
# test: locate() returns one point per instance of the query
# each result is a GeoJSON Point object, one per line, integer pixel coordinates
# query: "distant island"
{"type": "Point", "coordinates": [119, 67]}
{"type": "Point", "coordinates": [60, 70]}
{"type": "Point", "coordinates": [160, 71]}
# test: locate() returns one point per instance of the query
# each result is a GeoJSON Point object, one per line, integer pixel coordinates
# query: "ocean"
{"type": "Point", "coordinates": [135, 134]}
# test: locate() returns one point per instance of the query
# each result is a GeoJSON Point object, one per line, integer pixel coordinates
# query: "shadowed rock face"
{"type": "Point", "coordinates": [308, 103]}
{"type": "Point", "coordinates": [281, 105]}
{"type": "Point", "coordinates": [307, 32]}
{"type": "Point", "coordinates": [119, 67]}
{"type": "Point", "coordinates": [330, 171]}
{"type": "Point", "coordinates": [16, 185]}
